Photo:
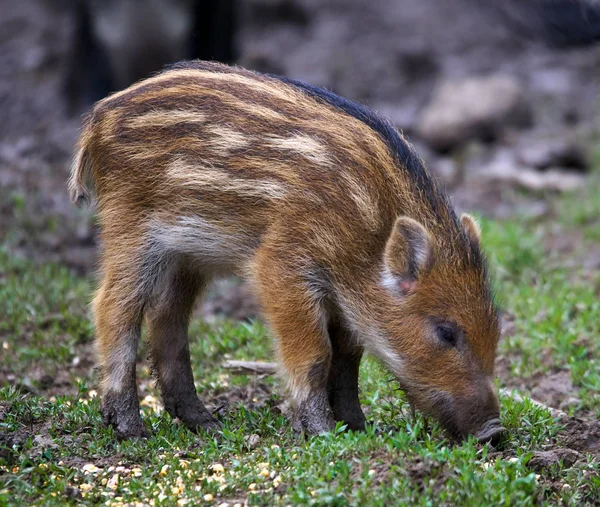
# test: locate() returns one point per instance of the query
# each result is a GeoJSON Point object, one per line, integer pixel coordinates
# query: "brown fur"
{"type": "Point", "coordinates": [222, 170]}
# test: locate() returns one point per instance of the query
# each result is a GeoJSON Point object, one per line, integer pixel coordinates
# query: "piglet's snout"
{"type": "Point", "coordinates": [478, 414]}
{"type": "Point", "coordinates": [491, 430]}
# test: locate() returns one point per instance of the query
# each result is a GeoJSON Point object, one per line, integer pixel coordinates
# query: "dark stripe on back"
{"type": "Point", "coordinates": [405, 156]}
{"type": "Point", "coordinates": [402, 152]}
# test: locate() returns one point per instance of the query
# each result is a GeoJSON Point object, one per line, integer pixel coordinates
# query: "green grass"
{"type": "Point", "coordinates": [46, 440]}
{"type": "Point", "coordinates": [581, 210]}
{"type": "Point", "coordinates": [42, 315]}
{"type": "Point", "coordinates": [396, 460]}
{"type": "Point", "coordinates": [556, 312]}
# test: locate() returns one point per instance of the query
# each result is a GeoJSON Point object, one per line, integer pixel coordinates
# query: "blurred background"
{"type": "Point", "coordinates": [501, 97]}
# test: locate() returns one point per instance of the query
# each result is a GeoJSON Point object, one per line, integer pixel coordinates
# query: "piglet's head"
{"type": "Point", "coordinates": [441, 324]}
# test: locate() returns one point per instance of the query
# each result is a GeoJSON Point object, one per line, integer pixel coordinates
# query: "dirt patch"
{"type": "Point", "coordinates": [429, 473]}
{"type": "Point", "coordinates": [99, 461]}
{"type": "Point", "coordinates": [44, 443]}
{"type": "Point", "coordinates": [378, 467]}
{"type": "Point", "coordinates": [553, 389]}
{"type": "Point", "coordinates": [254, 396]}
{"type": "Point", "coordinates": [47, 438]}
{"type": "Point", "coordinates": [545, 459]}
{"type": "Point", "coordinates": [57, 381]}
{"type": "Point", "coordinates": [12, 442]}
{"type": "Point", "coordinates": [581, 435]}
{"type": "Point", "coordinates": [575, 442]}
{"type": "Point", "coordinates": [422, 473]}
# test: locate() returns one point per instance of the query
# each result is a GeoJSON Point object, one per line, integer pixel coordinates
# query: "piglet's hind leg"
{"type": "Point", "coordinates": [167, 318]}
{"type": "Point", "coordinates": [118, 324]}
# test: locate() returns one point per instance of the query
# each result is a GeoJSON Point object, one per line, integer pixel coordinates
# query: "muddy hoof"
{"type": "Point", "coordinates": [210, 424]}
{"type": "Point", "coordinates": [200, 420]}
{"type": "Point", "coordinates": [126, 430]}
{"type": "Point", "coordinates": [491, 432]}
{"type": "Point", "coordinates": [312, 428]}
{"type": "Point", "coordinates": [313, 423]}
{"type": "Point", "coordinates": [191, 412]}
{"type": "Point", "coordinates": [355, 424]}
{"type": "Point", "coordinates": [140, 433]}
{"type": "Point", "coordinates": [121, 411]}
{"type": "Point", "coordinates": [354, 421]}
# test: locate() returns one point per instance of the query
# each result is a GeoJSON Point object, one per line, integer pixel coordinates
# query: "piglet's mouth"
{"type": "Point", "coordinates": [491, 432]}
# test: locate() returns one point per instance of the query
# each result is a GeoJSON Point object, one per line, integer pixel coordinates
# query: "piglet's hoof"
{"type": "Point", "coordinates": [311, 428]}
{"type": "Point", "coordinates": [125, 428]}
{"type": "Point", "coordinates": [142, 433]}
{"type": "Point", "coordinates": [313, 416]}
{"type": "Point", "coordinates": [351, 415]}
{"type": "Point", "coordinates": [121, 412]}
{"type": "Point", "coordinates": [210, 424]}
{"type": "Point", "coordinates": [194, 415]}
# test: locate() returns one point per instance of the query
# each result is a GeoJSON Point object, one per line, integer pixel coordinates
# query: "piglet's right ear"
{"type": "Point", "coordinates": [408, 254]}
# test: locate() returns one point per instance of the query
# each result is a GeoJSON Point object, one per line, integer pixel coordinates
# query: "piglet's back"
{"type": "Point", "coordinates": [240, 151]}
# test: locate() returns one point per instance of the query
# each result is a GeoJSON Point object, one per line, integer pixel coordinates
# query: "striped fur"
{"type": "Point", "coordinates": [299, 191]}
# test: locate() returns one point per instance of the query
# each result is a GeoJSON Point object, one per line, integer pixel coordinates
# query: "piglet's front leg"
{"type": "Point", "coordinates": [339, 400]}
{"type": "Point", "coordinates": [303, 343]}
{"type": "Point", "coordinates": [312, 413]}
{"type": "Point", "coordinates": [342, 384]}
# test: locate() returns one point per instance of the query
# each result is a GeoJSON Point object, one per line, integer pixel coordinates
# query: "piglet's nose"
{"type": "Point", "coordinates": [491, 432]}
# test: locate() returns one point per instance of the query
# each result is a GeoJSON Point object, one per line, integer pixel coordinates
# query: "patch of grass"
{"type": "Point", "coordinates": [556, 313]}
{"type": "Point", "coordinates": [42, 317]}
{"type": "Point", "coordinates": [397, 460]}
{"type": "Point", "coordinates": [581, 209]}
{"type": "Point", "coordinates": [51, 445]}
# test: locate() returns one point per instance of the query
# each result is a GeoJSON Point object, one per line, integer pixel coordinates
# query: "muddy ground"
{"type": "Point", "coordinates": [390, 54]}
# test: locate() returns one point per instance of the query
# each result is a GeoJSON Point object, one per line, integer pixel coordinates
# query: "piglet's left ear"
{"type": "Point", "coordinates": [408, 254]}
{"type": "Point", "coordinates": [471, 228]}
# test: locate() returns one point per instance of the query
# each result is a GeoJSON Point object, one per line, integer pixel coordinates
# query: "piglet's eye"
{"type": "Point", "coordinates": [447, 335]}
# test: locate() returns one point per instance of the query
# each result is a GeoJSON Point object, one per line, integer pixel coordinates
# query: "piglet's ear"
{"type": "Point", "coordinates": [408, 254]}
{"type": "Point", "coordinates": [471, 228]}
